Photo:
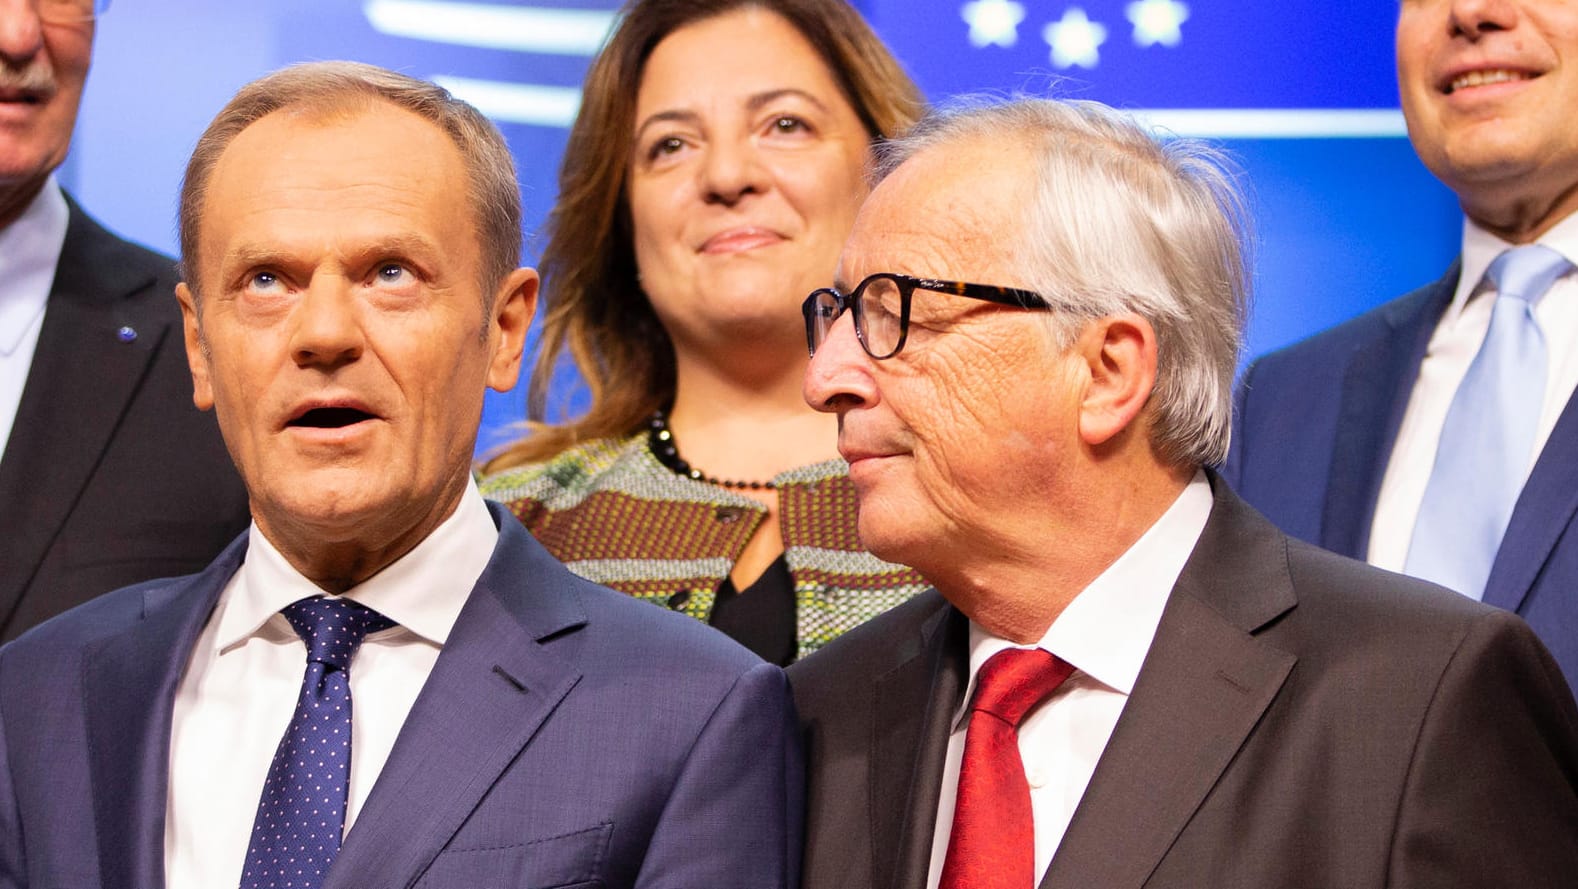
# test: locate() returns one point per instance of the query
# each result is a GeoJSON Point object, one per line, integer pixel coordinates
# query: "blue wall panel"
{"type": "Point", "coordinates": [1345, 215]}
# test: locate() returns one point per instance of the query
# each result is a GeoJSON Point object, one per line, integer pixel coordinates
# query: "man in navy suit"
{"type": "Point", "coordinates": [1360, 438]}
{"type": "Point", "coordinates": [385, 682]}
{"type": "Point", "coordinates": [94, 391]}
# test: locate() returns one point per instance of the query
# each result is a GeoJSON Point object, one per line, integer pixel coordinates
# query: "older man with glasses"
{"type": "Point", "coordinates": [95, 398]}
{"type": "Point", "coordinates": [1125, 676]}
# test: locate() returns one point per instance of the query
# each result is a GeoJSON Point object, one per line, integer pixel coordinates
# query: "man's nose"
{"type": "Point", "coordinates": [327, 328]}
{"type": "Point", "coordinates": [838, 377]}
{"type": "Point", "coordinates": [21, 31]}
{"type": "Point", "coordinates": [1474, 18]}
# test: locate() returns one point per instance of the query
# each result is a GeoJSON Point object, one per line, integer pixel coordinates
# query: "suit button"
{"type": "Point", "coordinates": [728, 514]}
{"type": "Point", "coordinates": [678, 600]}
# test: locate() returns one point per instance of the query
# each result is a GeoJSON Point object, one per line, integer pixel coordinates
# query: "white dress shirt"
{"type": "Point", "coordinates": [1452, 348]}
{"type": "Point", "coordinates": [240, 687]}
{"type": "Point", "coordinates": [29, 251]}
{"type": "Point", "coordinates": [1105, 634]}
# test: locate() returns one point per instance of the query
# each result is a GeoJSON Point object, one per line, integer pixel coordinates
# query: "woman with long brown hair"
{"type": "Point", "coordinates": [716, 166]}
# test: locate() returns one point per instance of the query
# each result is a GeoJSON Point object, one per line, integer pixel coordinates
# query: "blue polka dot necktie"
{"type": "Point", "coordinates": [301, 814]}
{"type": "Point", "coordinates": [1487, 440]}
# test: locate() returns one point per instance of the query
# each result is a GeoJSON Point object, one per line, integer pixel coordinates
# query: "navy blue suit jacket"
{"type": "Point", "coordinates": [1314, 428]}
{"type": "Point", "coordinates": [568, 736]}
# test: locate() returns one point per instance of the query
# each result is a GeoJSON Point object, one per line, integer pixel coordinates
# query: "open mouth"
{"type": "Point", "coordinates": [330, 418]}
{"type": "Point", "coordinates": [24, 90]}
{"type": "Point", "coordinates": [1485, 78]}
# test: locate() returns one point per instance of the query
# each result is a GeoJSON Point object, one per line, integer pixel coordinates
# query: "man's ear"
{"type": "Point", "coordinates": [1119, 352]}
{"type": "Point", "coordinates": [513, 307]}
{"type": "Point", "coordinates": [196, 355]}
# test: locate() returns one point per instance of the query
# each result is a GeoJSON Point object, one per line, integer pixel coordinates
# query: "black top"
{"type": "Point", "coordinates": [763, 617]}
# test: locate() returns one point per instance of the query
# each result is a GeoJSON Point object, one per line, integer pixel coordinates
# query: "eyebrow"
{"type": "Point", "coordinates": [754, 103]}
{"type": "Point", "coordinates": [249, 256]}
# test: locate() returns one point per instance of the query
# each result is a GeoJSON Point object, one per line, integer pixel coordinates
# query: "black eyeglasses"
{"type": "Point", "coordinates": [881, 306]}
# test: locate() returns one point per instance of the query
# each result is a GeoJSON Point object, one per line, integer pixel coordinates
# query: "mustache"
{"type": "Point", "coordinates": [35, 77]}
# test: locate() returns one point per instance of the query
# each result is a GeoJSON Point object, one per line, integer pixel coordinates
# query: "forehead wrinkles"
{"type": "Point", "coordinates": [957, 207]}
{"type": "Point", "coordinates": [927, 238]}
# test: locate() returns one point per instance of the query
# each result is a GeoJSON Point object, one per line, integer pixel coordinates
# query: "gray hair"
{"type": "Point", "coordinates": [1118, 221]}
{"type": "Point", "coordinates": [336, 88]}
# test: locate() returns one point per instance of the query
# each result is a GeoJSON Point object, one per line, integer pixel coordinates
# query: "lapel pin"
{"type": "Point", "coordinates": [127, 334]}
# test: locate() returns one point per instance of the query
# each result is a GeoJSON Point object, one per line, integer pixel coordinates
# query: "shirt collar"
{"type": "Point", "coordinates": [1106, 631]}
{"type": "Point", "coordinates": [1480, 249]}
{"type": "Point", "coordinates": [29, 251]}
{"type": "Point", "coordinates": [422, 591]}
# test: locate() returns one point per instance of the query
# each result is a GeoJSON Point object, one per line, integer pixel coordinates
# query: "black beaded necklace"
{"type": "Point", "coordinates": [660, 440]}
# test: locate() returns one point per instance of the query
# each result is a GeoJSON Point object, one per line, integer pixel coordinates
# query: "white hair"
{"type": "Point", "coordinates": [1119, 220]}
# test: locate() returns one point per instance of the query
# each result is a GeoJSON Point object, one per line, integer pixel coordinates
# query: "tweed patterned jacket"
{"type": "Point", "coordinates": [612, 513]}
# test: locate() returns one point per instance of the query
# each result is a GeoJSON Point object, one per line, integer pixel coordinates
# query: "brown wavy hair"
{"type": "Point", "coordinates": [594, 307]}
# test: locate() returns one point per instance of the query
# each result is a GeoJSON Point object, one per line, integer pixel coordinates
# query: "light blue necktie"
{"type": "Point", "coordinates": [301, 814]}
{"type": "Point", "coordinates": [1488, 437]}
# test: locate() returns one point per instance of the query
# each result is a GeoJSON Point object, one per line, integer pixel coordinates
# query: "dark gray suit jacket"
{"type": "Point", "coordinates": [1302, 720]}
{"type": "Point", "coordinates": [110, 475]}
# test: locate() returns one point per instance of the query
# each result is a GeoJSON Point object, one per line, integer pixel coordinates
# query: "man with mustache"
{"type": "Point", "coordinates": [109, 475]}
{"type": "Point", "coordinates": [387, 681]}
{"type": "Point", "coordinates": [1437, 435]}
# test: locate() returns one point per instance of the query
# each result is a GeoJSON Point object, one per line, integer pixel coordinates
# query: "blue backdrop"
{"type": "Point", "coordinates": [1301, 92]}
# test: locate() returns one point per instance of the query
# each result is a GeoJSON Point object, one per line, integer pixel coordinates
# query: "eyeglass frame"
{"type": "Point", "coordinates": [1014, 297]}
{"type": "Point", "coordinates": [96, 9]}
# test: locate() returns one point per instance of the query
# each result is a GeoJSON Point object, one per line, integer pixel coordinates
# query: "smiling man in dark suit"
{"type": "Point", "coordinates": [351, 239]}
{"type": "Point", "coordinates": [1437, 435]}
{"type": "Point", "coordinates": [109, 475]}
{"type": "Point", "coordinates": [1125, 677]}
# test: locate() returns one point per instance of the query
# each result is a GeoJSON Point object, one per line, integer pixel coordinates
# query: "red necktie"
{"type": "Point", "coordinates": [993, 841]}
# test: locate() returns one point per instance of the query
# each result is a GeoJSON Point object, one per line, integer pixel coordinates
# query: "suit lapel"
{"type": "Point", "coordinates": [130, 682]}
{"type": "Point", "coordinates": [1545, 508]}
{"type": "Point", "coordinates": [80, 360]}
{"type": "Point", "coordinates": [1205, 683]}
{"type": "Point", "coordinates": [907, 754]}
{"type": "Point", "coordinates": [1376, 386]}
{"type": "Point", "coordinates": [1367, 430]}
{"type": "Point", "coordinates": [493, 686]}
